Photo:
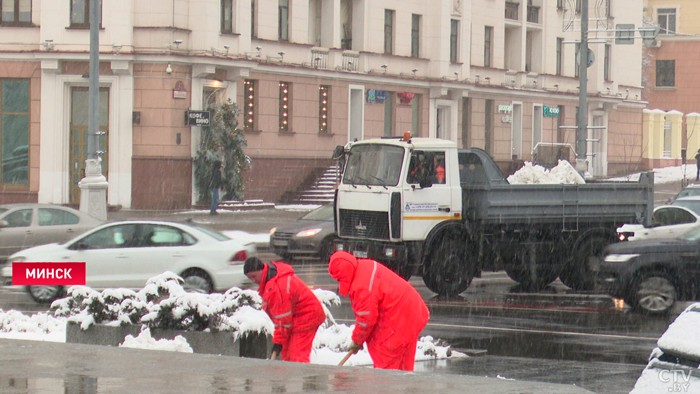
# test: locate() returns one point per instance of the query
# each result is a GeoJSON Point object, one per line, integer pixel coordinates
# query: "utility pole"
{"type": "Point", "coordinates": [582, 131]}
{"type": "Point", "coordinates": [93, 188]}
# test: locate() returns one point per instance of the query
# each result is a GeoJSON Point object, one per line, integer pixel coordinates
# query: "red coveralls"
{"type": "Point", "coordinates": [294, 309]}
{"type": "Point", "coordinates": [389, 312]}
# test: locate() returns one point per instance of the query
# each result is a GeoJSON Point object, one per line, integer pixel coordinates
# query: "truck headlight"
{"type": "Point", "coordinates": [620, 258]}
{"type": "Point", "coordinates": [308, 233]}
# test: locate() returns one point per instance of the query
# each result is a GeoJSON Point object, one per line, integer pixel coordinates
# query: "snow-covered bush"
{"type": "Point", "coordinates": [164, 303]}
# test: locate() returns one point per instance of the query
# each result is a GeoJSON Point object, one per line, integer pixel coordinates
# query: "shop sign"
{"type": "Point", "coordinates": [196, 118]}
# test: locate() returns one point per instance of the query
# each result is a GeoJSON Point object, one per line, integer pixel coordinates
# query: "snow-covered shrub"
{"type": "Point", "coordinates": [164, 303]}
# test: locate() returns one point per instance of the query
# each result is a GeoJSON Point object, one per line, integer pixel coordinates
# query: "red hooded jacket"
{"type": "Point", "coordinates": [289, 302]}
{"type": "Point", "coordinates": [389, 312]}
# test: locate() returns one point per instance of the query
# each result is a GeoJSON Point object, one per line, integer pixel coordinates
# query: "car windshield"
{"type": "Point", "coordinates": [213, 233]}
{"type": "Point", "coordinates": [693, 205]}
{"type": "Point", "coordinates": [324, 212]}
{"type": "Point", "coordinates": [689, 191]}
{"type": "Point", "coordinates": [375, 164]}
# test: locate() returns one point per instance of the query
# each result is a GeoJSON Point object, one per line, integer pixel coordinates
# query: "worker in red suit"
{"type": "Point", "coordinates": [389, 312]}
{"type": "Point", "coordinates": [294, 309]}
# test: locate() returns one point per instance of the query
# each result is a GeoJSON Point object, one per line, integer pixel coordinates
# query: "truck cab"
{"type": "Point", "coordinates": [394, 191]}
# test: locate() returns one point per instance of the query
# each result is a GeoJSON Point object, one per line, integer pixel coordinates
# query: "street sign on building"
{"type": "Point", "coordinates": [197, 118]}
{"type": "Point", "coordinates": [550, 111]}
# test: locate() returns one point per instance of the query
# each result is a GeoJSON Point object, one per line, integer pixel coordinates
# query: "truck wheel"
{"type": "Point", "coordinates": [449, 269]}
{"type": "Point", "coordinates": [522, 275]}
{"type": "Point", "coordinates": [580, 272]}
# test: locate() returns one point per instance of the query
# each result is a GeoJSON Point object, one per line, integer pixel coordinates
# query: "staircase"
{"type": "Point", "coordinates": [322, 190]}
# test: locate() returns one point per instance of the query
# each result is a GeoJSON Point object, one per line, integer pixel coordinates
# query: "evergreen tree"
{"type": "Point", "coordinates": [223, 141]}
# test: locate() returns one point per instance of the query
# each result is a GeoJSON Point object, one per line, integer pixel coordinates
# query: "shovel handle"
{"type": "Point", "coordinates": [347, 356]}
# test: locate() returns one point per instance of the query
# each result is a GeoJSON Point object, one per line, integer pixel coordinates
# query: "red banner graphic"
{"type": "Point", "coordinates": [48, 274]}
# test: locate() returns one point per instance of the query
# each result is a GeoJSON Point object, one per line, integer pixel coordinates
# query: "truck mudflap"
{"type": "Point", "coordinates": [396, 256]}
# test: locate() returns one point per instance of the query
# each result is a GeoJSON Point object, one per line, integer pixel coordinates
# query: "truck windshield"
{"type": "Point", "coordinates": [378, 165]}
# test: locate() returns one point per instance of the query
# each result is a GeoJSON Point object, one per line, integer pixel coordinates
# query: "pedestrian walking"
{"type": "Point", "coordinates": [215, 183]}
{"type": "Point", "coordinates": [294, 309]}
{"type": "Point", "coordinates": [697, 164]}
{"type": "Point", "coordinates": [389, 312]}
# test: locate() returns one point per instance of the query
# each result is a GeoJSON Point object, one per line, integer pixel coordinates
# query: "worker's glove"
{"type": "Point", "coordinates": [276, 351]}
{"type": "Point", "coordinates": [354, 348]}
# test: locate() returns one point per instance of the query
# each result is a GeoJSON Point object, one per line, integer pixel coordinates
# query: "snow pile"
{"type": "Point", "coordinates": [145, 341]}
{"type": "Point", "coordinates": [683, 335]}
{"type": "Point", "coordinates": [42, 326]}
{"type": "Point", "coordinates": [564, 173]}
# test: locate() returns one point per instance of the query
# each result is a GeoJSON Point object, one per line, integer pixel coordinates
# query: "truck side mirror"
{"type": "Point", "coordinates": [426, 182]}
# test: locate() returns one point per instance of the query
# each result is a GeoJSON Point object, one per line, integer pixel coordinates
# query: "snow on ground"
{"type": "Point", "coordinates": [665, 174]}
{"type": "Point", "coordinates": [330, 345]}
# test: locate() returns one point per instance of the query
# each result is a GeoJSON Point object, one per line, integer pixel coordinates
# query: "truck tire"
{"type": "Point", "coordinates": [449, 268]}
{"type": "Point", "coordinates": [545, 275]}
{"type": "Point", "coordinates": [579, 274]}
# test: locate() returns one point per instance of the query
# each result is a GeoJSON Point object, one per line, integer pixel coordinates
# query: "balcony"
{"type": "Point", "coordinates": [533, 14]}
{"type": "Point", "coordinates": [512, 10]}
{"type": "Point", "coordinates": [350, 61]}
{"type": "Point", "coordinates": [319, 57]}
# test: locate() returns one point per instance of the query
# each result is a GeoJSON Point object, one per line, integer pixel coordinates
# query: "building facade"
{"type": "Point", "coordinates": [672, 130]}
{"type": "Point", "coordinates": [307, 75]}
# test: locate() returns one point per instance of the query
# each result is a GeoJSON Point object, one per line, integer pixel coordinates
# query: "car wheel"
{"type": "Point", "coordinates": [654, 293]}
{"type": "Point", "coordinates": [44, 294]}
{"type": "Point", "coordinates": [197, 281]}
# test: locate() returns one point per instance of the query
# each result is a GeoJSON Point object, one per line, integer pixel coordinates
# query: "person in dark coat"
{"type": "Point", "coordinates": [214, 184]}
{"type": "Point", "coordinates": [697, 163]}
{"type": "Point", "coordinates": [389, 312]}
{"type": "Point", "coordinates": [294, 309]}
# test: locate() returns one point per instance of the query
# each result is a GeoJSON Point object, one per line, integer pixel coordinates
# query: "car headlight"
{"type": "Point", "coordinates": [308, 233]}
{"type": "Point", "coordinates": [620, 258]}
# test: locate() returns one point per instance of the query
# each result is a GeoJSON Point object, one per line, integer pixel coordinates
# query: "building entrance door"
{"type": "Point", "coordinates": [79, 136]}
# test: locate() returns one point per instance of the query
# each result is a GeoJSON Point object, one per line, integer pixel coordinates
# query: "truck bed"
{"type": "Point", "coordinates": [487, 198]}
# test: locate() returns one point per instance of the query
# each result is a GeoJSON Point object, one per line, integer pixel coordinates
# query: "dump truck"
{"type": "Point", "coordinates": [421, 206]}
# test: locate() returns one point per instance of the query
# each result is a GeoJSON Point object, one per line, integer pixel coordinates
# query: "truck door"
{"type": "Point", "coordinates": [427, 194]}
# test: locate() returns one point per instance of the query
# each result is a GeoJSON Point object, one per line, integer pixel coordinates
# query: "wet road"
{"type": "Point", "coordinates": [553, 336]}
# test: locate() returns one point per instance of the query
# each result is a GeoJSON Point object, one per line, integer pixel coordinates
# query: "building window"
{"type": "Point", "coordinates": [252, 19]}
{"type": "Point", "coordinates": [488, 125]}
{"type": "Point", "coordinates": [249, 90]}
{"type": "Point", "coordinates": [80, 13]}
{"type": "Point", "coordinates": [16, 12]}
{"type": "Point", "coordinates": [415, 35]}
{"type": "Point", "coordinates": [324, 97]}
{"type": "Point", "coordinates": [466, 121]}
{"type": "Point", "coordinates": [666, 17]}
{"type": "Point", "coordinates": [283, 23]}
{"type": "Point", "coordinates": [606, 62]}
{"type": "Point", "coordinates": [416, 108]}
{"type": "Point", "coordinates": [665, 73]}
{"type": "Point", "coordinates": [388, 31]}
{"type": "Point", "coordinates": [608, 9]}
{"type": "Point", "coordinates": [560, 4]}
{"type": "Point", "coordinates": [488, 45]}
{"type": "Point", "coordinates": [577, 49]}
{"type": "Point", "coordinates": [389, 114]}
{"type": "Point", "coordinates": [578, 6]}
{"type": "Point", "coordinates": [454, 32]}
{"type": "Point", "coordinates": [284, 104]}
{"type": "Point", "coordinates": [227, 16]}
{"type": "Point", "coordinates": [560, 54]}
{"type": "Point", "coordinates": [14, 131]}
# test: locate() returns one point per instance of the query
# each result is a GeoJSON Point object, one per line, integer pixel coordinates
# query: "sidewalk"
{"type": "Point", "coordinates": [47, 367]}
